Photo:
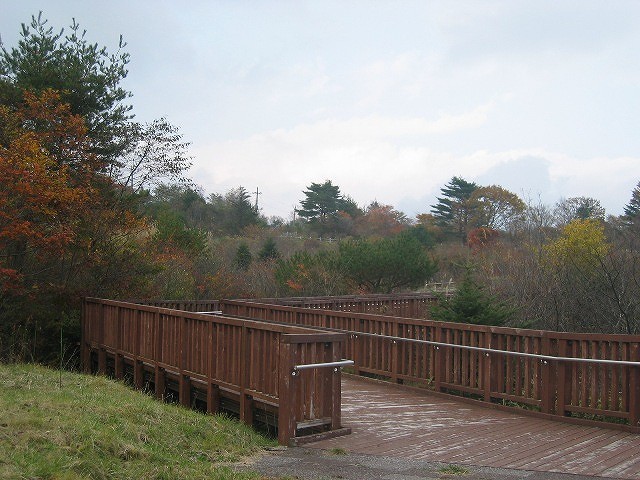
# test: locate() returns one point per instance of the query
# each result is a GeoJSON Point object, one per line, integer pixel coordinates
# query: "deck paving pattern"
{"type": "Point", "coordinates": [398, 422]}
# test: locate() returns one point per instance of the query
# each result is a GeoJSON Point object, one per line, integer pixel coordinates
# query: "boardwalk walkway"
{"type": "Point", "coordinates": [398, 422]}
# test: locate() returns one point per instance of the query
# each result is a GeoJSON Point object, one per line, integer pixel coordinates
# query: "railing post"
{"type": "Point", "coordinates": [86, 350]}
{"type": "Point", "coordinates": [286, 395]}
{"type": "Point", "coordinates": [246, 402]}
{"type": "Point", "coordinates": [138, 371]}
{"type": "Point", "coordinates": [564, 379]}
{"type": "Point", "coordinates": [102, 353]}
{"type": "Point", "coordinates": [634, 386]}
{"type": "Point", "coordinates": [396, 350]}
{"type": "Point", "coordinates": [549, 386]}
{"type": "Point", "coordinates": [334, 377]}
{"type": "Point", "coordinates": [486, 367]}
{"type": "Point", "coordinates": [118, 360]}
{"type": "Point", "coordinates": [439, 361]}
{"type": "Point", "coordinates": [184, 382]}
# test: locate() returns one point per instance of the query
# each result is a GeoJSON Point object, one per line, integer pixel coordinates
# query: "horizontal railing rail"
{"type": "Point", "coordinates": [334, 365]}
{"type": "Point", "coordinates": [493, 350]}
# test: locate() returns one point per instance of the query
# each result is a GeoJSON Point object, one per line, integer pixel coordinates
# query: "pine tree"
{"type": "Point", "coordinates": [321, 206]}
{"type": "Point", "coordinates": [243, 257]}
{"type": "Point", "coordinates": [632, 209]}
{"type": "Point", "coordinates": [471, 304]}
{"type": "Point", "coordinates": [454, 209]}
{"type": "Point", "coordinates": [269, 250]}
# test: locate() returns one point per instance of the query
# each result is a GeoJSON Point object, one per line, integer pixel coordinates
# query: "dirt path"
{"type": "Point", "coordinates": [313, 464]}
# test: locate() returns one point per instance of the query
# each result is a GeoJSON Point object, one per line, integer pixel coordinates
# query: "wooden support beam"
{"type": "Point", "coordinates": [160, 381]}
{"type": "Point", "coordinates": [634, 387]}
{"type": "Point", "coordinates": [184, 388]}
{"type": "Point", "coordinates": [213, 398]}
{"type": "Point", "coordinates": [118, 365]}
{"type": "Point", "coordinates": [246, 409]}
{"type": "Point", "coordinates": [286, 395]}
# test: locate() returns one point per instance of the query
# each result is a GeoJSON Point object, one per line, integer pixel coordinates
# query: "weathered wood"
{"type": "Point", "coordinates": [215, 353]}
{"type": "Point", "coordinates": [397, 421]}
{"type": "Point", "coordinates": [213, 398]}
{"type": "Point", "coordinates": [557, 387]}
{"type": "Point", "coordinates": [160, 382]}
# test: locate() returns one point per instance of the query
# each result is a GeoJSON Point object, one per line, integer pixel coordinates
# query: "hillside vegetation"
{"type": "Point", "coordinates": [96, 428]}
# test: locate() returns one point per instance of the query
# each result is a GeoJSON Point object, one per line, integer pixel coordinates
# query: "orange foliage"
{"type": "Point", "coordinates": [381, 221]}
{"type": "Point", "coordinates": [481, 237]}
{"type": "Point", "coordinates": [45, 187]}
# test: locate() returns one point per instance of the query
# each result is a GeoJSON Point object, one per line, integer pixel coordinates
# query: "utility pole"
{"type": "Point", "coordinates": [257, 192]}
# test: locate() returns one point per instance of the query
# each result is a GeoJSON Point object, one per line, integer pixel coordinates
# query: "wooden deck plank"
{"type": "Point", "coordinates": [394, 421]}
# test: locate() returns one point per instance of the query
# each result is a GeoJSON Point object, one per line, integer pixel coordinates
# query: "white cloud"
{"type": "Point", "coordinates": [370, 158]}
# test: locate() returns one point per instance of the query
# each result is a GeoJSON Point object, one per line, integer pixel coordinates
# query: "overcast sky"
{"type": "Point", "coordinates": [388, 100]}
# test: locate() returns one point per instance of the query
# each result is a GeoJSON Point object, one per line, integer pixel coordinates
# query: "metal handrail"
{"type": "Point", "coordinates": [308, 366]}
{"type": "Point", "coordinates": [487, 351]}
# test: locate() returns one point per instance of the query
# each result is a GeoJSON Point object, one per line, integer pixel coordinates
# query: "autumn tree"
{"type": "Point", "coordinates": [44, 197]}
{"type": "Point", "coordinates": [74, 171]}
{"type": "Point", "coordinates": [308, 274]}
{"type": "Point", "coordinates": [87, 76]}
{"type": "Point", "coordinates": [496, 208]}
{"type": "Point", "coordinates": [381, 221]}
{"type": "Point", "coordinates": [455, 209]}
{"type": "Point", "coordinates": [56, 229]}
{"type": "Point", "coordinates": [562, 285]}
{"type": "Point", "coordinates": [155, 154]}
{"type": "Point", "coordinates": [578, 208]}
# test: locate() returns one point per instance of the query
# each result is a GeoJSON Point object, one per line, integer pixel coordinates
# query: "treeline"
{"type": "Point", "coordinates": [94, 203]}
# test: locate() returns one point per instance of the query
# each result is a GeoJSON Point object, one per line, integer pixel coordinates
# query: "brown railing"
{"type": "Point", "coordinates": [408, 305]}
{"type": "Point", "coordinates": [565, 375]}
{"type": "Point", "coordinates": [228, 364]}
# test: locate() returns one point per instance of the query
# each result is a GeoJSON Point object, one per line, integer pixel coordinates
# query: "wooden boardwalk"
{"type": "Point", "coordinates": [391, 421]}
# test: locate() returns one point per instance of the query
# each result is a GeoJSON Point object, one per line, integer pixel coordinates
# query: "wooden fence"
{"type": "Point", "coordinates": [512, 367]}
{"type": "Point", "coordinates": [407, 305]}
{"type": "Point", "coordinates": [226, 364]}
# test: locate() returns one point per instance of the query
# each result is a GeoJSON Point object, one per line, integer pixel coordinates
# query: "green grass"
{"type": "Point", "coordinates": [96, 428]}
{"type": "Point", "coordinates": [338, 451]}
{"type": "Point", "coordinates": [453, 470]}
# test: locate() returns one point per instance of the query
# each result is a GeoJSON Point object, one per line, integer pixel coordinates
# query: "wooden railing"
{"type": "Point", "coordinates": [534, 369]}
{"type": "Point", "coordinates": [407, 305]}
{"type": "Point", "coordinates": [224, 363]}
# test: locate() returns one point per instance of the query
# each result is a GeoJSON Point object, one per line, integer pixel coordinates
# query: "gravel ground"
{"type": "Point", "coordinates": [312, 464]}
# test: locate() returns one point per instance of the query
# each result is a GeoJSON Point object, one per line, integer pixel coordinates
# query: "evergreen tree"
{"type": "Point", "coordinates": [632, 209]}
{"type": "Point", "coordinates": [321, 206]}
{"type": "Point", "coordinates": [243, 257]}
{"type": "Point", "coordinates": [385, 265]}
{"type": "Point", "coordinates": [455, 208]}
{"type": "Point", "coordinates": [471, 304]}
{"type": "Point", "coordinates": [87, 76]}
{"type": "Point", "coordinates": [269, 250]}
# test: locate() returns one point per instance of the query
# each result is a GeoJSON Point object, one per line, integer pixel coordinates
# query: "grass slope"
{"type": "Point", "coordinates": [96, 428]}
